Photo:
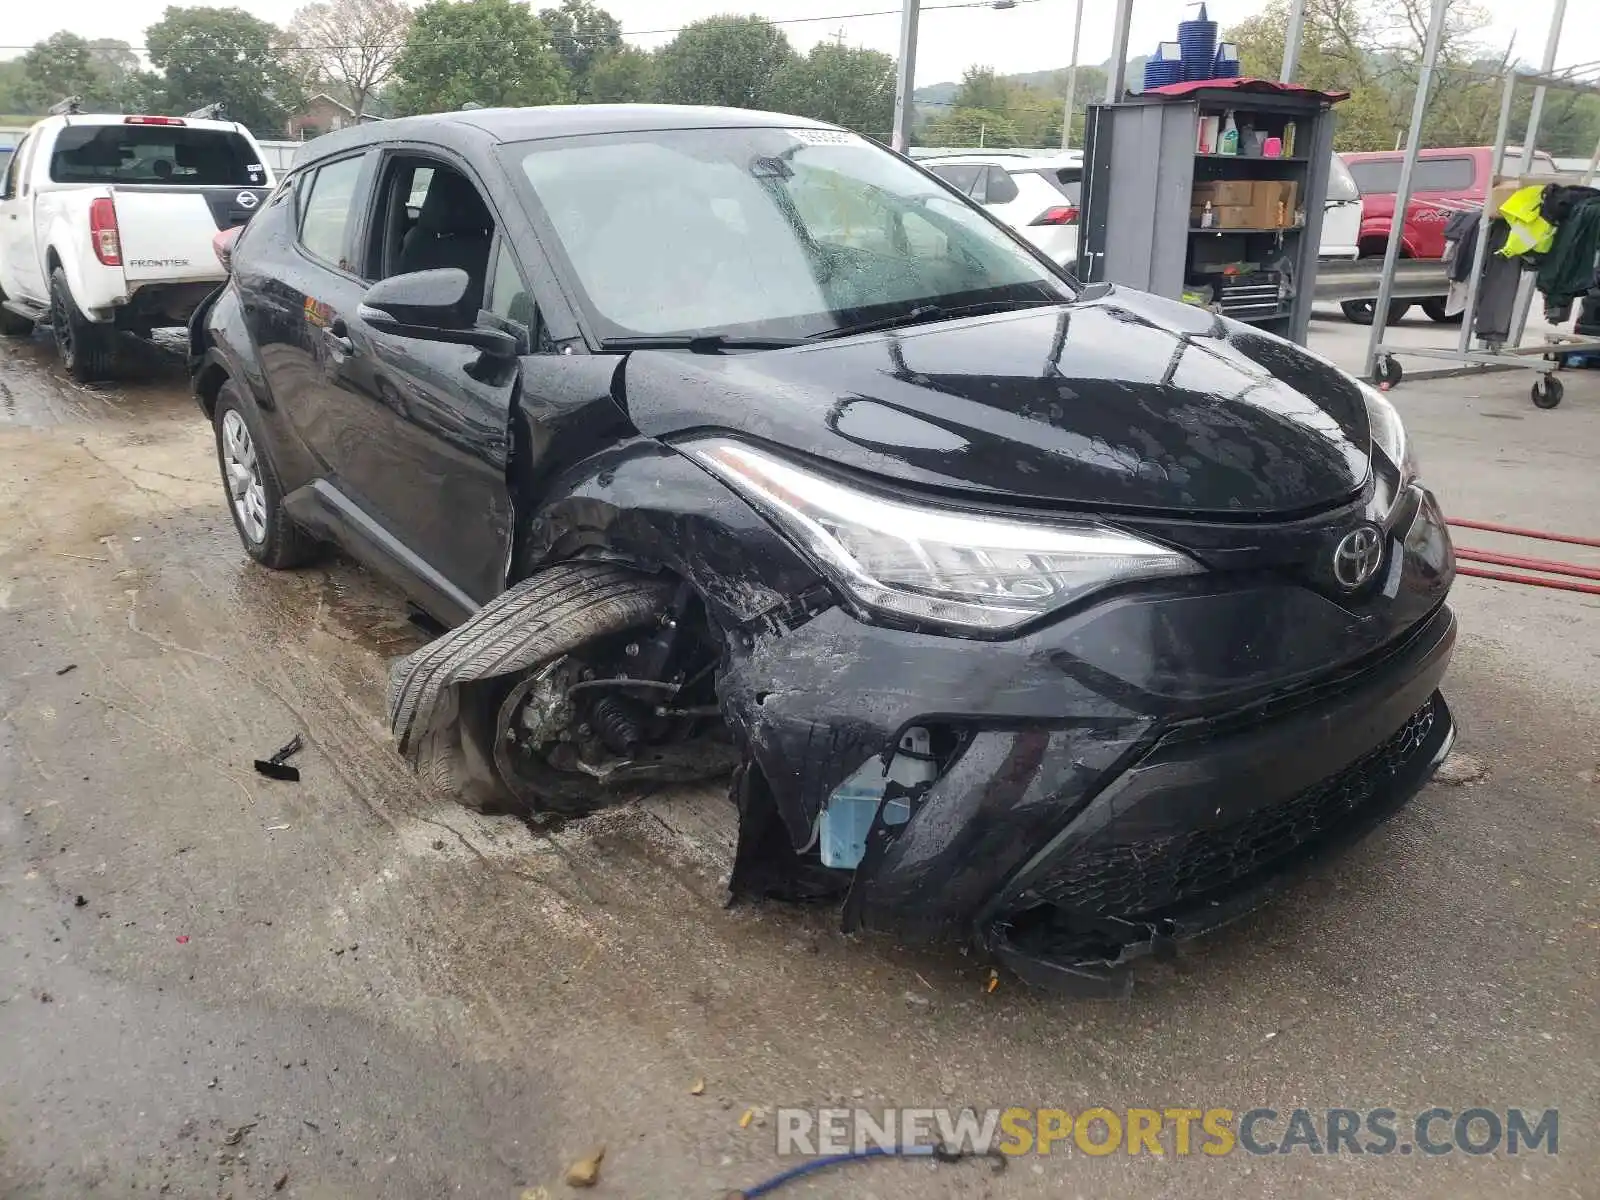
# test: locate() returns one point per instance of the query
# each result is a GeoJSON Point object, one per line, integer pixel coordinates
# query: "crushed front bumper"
{"type": "Point", "coordinates": [1133, 774]}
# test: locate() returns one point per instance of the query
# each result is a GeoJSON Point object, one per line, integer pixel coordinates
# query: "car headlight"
{"type": "Point", "coordinates": [1389, 433]}
{"type": "Point", "coordinates": [962, 570]}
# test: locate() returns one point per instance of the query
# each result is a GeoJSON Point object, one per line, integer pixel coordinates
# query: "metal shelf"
{"type": "Point", "coordinates": [1255, 158]}
{"type": "Point", "coordinates": [1251, 229]}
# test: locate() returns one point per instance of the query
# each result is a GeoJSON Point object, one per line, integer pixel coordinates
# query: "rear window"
{"type": "Point", "coordinates": [1341, 184]}
{"type": "Point", "coordinates": [1382, 176]}
{"type": "Point", "coordinates": [962, 177]}
{"type": "Point", "coordinates": [1066, 180]}
{"type": "Point", "coordinates": [155, 154]}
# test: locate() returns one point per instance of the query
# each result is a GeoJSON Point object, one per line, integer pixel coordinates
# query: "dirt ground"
{"type": "Point", "coordinates": [211, 982]}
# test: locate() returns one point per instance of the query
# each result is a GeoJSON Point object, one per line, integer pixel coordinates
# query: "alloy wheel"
{"type": "Point", "coordinates": [243, 470]}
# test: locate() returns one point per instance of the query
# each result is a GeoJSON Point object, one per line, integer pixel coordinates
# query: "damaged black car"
{"type": "Point", "coordinates": [1066, 622]}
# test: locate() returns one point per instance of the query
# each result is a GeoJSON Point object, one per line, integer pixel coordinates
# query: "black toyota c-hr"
{"type": "Point", "coordinates": [1064, 621]}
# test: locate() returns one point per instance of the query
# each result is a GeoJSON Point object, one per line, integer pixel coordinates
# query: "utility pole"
{"type": "Point", "coordinates": [1072, 81]}
{"type": "Point", "coordinates": [1117, 76]}
{"type": "Point", "coordinates": [1291, 41]}
{"type": "Point", "coordinates": [905, 77]}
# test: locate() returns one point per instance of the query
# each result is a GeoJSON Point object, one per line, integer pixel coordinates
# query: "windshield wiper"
{"type": "Point", "coordinates": [702, 343]}
{"type": "Point", "coordinates": [923, 313]}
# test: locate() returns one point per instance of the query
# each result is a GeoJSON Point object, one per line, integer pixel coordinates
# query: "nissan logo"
{"type": "Point", "coordinates": [246, 200]}
{"type": "Point", "coordinates": [1356, 557]}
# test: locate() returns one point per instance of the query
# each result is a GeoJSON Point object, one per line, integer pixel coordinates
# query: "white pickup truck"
{"type": "Point", "coordinates": [107, 223]}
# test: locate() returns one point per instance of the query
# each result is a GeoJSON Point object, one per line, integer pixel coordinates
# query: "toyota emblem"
{"type": "Point", "coordinates": [1356, 557]}
{"type": "Point", "coordinates": [246, 200]}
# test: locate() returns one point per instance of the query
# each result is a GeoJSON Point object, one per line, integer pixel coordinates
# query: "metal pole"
{"type": "Point", "coordinates": [1072, 81]}
{"type": "Point", "coordinates": [1552, 43]}
{"type": "Point", "coordinates": [905, 77]}
{"type": "Point", "coordinates": [1291, 41]}
{"type": "Point", "coordinates": [1469, 314]}
{"type": "Point", "coordinates": [1402, 199]}
{"type": "Point", "coordinates": [1117, 76]}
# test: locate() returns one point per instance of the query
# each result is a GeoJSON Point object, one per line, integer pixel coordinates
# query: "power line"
{"type": "Point", "coordinates": [627, 33]}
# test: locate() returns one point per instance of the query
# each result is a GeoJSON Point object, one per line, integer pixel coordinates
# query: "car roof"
{"type": "Point", "coordinates": [1010, 162]}
{"type": "Point", "coordinates": [496, 125]}
{"type": "Point", "coordinates": [1350, 156]}
{"type": "Point", "coordinates": [66, 119]}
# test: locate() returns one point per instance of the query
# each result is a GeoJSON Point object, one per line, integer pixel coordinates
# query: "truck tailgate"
{"type": "Point", "coordinates": [166, 232]}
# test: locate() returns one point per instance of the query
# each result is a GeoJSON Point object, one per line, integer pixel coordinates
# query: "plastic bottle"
{"type": "Point", "coordinates": [847, 819]}
{"type": "Point", "coordinates": [1229, 142]}
{"type": "Point", "coordinates": [1208, 218]}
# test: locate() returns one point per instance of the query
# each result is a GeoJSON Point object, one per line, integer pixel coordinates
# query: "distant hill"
{"type": "Point", "coordinates": [941, 95]}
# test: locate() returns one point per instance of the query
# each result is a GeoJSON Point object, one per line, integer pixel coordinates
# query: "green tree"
{"type": "Point", "coordinates": [488, 52]}
{"type": "Point", "coordinates": [210, 55]}
{"type": "Point", "coordinates": [733, 61]}
{"type": "Point", "coordinates": [60, 66]}
{"type": "Point", "coordinates": [971, 127]}
{"type": "Point", "coordinates": [1373, 50]}
{"type": "Point", "coordinates": [351, 46]}
{"type": "Point", "coordinates": [849, 87]}
{"type": "Point", "coordinates": [582, 35]}
{"type": "Point", "coordinates": [982, 88]}
{"type": "Point", "coordinates": [626, 76]}
{"type": "Point", "coordinates": [14, 92]}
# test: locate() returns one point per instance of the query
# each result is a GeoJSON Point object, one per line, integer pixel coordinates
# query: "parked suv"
{"type": "Point", "coordinates": [1446, 180]}
{"type": "Point", "coordinates": [107, 223]}
{"type": "Point", "coordinates": [1064, 622]}
{"type": "Point", "coordinates": [1038, 196]}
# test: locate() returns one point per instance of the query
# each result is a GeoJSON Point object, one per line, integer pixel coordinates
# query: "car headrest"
{"type": "Point", "coordinates": [452, 206]}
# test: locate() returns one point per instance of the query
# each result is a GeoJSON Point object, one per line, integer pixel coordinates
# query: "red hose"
{"type": "Point", "coordinates": [1539, 535]}
{"type": "Point", "coordinates": [1527, 564]}
{"type": "Point", "coordinates": [1506, 577]}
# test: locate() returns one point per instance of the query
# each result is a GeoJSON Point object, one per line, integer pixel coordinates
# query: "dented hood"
{"type": "Point", "coordinates": [1129, 401]}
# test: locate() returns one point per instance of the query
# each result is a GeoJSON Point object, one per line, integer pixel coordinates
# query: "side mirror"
{"type": "Point", "coordinates": [432, 306]}
{"type": "Point", "coordinates": [1094, 291]}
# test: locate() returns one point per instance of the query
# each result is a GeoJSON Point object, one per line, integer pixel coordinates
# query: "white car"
{"type": "Point", "coordinates": [108, 222]}
{"type": "Point", "coordinates": [1037, 195]}
{"type": "Point", "coordinates": [1341, 214]}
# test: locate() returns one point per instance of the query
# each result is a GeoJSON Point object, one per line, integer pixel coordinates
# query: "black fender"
{"type": "Point", "coordinates": [229, 353]}
{"type": "Point", "coordinates": [644, 503]}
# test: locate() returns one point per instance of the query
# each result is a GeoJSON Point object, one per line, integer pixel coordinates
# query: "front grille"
{"type": "Point", "coordinates": [1151, 878]}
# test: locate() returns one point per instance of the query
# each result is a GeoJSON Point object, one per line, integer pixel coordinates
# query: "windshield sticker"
{"type": "Point", "coordinates": [825, 137]}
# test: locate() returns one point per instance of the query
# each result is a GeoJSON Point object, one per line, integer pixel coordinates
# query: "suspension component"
{"type": "Point", "coordinates": [616, 719]}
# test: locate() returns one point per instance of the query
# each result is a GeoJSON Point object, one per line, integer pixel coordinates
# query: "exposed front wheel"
{"type": "Point", "coordinates": [255, 496]}
{"type": "Point", "coordinates": [562, 693]}
{"type": "Point", "coordinates": [87, 350]}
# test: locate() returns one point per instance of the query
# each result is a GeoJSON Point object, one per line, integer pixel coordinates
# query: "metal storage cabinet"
{"type": "Point", "coordinates": [1141, 167]}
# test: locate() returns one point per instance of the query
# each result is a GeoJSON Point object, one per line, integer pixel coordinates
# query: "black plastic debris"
{"type": "Point", "coordinates": [277, 767]}
{"type": "Point", "coordinates": [66, 669]}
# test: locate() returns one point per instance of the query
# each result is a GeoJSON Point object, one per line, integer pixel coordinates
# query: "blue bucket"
{"type": "Point", "coordinates": [1226, 65]}
{"type": "Point", "coordinates": [1159, 73]}
{"type": "Point", "coordinates": [1198, 39]}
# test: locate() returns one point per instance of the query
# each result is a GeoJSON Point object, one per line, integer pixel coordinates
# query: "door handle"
{"type": "Point", "coordinates": [338, 335]}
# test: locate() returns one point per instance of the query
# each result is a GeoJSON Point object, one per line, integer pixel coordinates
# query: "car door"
{"type": "Point", "coordinates": [429, 421]}
{"type": "Point", "coordinates": [19, 268]}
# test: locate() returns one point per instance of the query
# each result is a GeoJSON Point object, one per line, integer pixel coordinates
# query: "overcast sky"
{"type": "Point", "coordinates": [1035, 35]}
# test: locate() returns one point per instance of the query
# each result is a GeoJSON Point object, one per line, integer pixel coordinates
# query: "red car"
{"type": "Point", "coordinates": [1446, 180]}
